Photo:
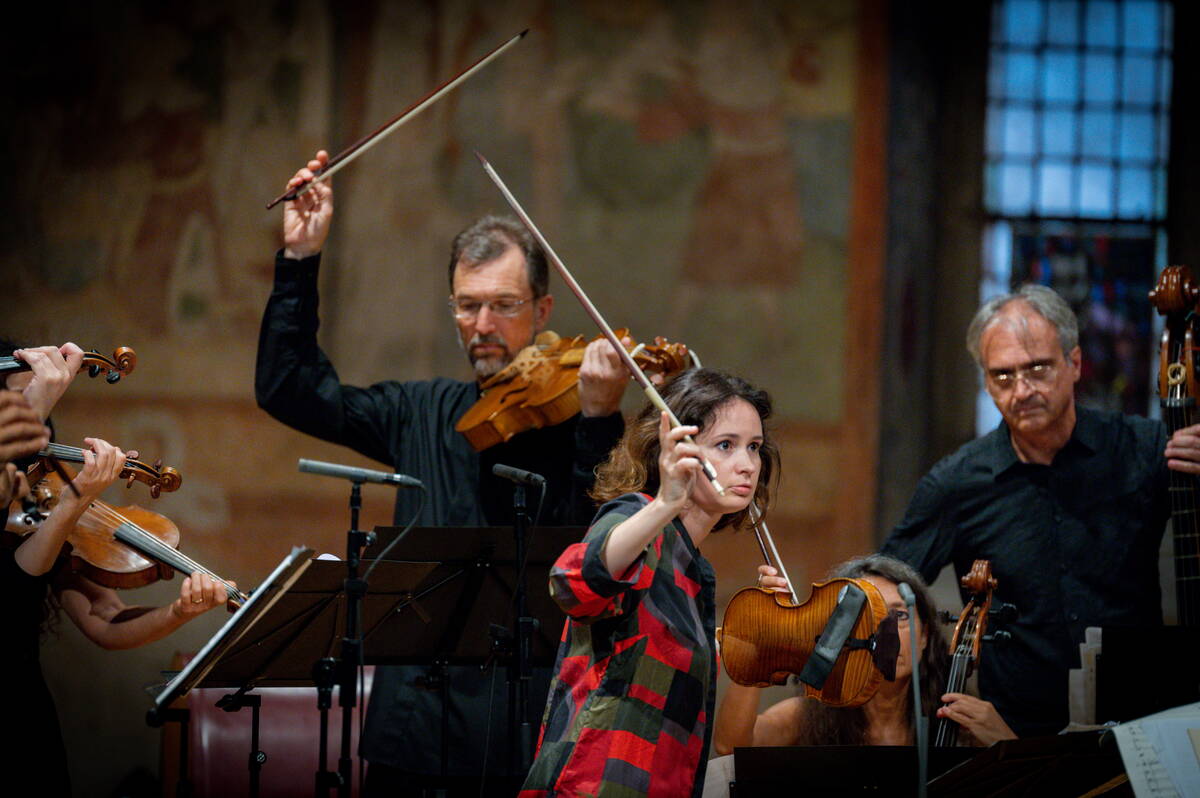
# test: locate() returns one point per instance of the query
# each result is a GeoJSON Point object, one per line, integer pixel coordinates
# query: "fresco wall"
{"type": "Point", "coordinates": [711, 171]}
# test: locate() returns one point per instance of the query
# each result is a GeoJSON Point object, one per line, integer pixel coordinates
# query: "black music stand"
{"type": "Point", "coordinates": [1063, 764]}
{"type": "Point", "coordinates": [248, 615]}
{"type": "Point", "coordinates": [835, 770]}
{"type": "Point", "coordinates": [299, 622]}
{"type": "Point", "coordinates": [463, 613]}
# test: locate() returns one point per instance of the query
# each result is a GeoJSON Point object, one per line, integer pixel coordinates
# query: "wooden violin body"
{"type": "Point", "coordinates": [118, 547]}
{"type": "Point", "coordinates": [540, 387]}
{"type": "Point", "coordinates": [114, 368]}
{"type": "Point", "coordinates": [764, 638]}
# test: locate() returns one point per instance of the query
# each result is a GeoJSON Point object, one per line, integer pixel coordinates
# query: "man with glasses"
{"type": "Point", "coordinates": [1068, 504]}
{"type": "Point", "coordinates": [498, 300]}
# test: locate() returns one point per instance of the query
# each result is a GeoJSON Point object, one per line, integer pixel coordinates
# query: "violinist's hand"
{"type": "Point", "coordinates": [602, 378]}
{"type": "Point", "coordinates": [977, 716]}
{"type": "Point", "coordinates": [1183, 450]}
{"type": "Point", "coordinates": [770, 579]}
{"type": "Point", "coordinates": [198, 594]}
{"type": "Point", "coordinates": [679, 464]}
{"type": "Point", "coordinates": [52, 368]}
{"type": "Point", "coordinates": [306, 219]}
{"type": "Point", "coordinates": [21, 431]}
{"type": "Point", "coordinates": [102, 465]}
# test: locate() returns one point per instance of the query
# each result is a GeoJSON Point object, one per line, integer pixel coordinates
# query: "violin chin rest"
{"type": "Point", "coordinates": [887, 647]}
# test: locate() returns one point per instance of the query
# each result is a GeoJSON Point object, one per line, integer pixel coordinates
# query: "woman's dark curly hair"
{"type": "Point", "coordinates": [694, 396]}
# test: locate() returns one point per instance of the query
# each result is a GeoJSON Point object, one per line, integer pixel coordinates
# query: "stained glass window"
{"type": "Point", "coordinates": [1075, 176]}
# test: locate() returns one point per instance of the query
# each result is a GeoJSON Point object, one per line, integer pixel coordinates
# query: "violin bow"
{"type": "Point", "coordinates": [638, 375]}
{"type": "Point", "coordinates": [368, 141]}
{"type": "Point", "coordinates": [761, 532]}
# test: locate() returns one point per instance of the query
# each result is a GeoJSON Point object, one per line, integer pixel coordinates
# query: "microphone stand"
{"type": "Point", "coordinates": [346, 669]}
{"type": "Point", "coordinates": [919, 719]}
{"type": "Point", "coordinates": [523, 627]}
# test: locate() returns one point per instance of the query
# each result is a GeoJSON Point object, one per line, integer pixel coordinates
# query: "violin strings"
{"type": "Point", "coordinates": [152, 546]}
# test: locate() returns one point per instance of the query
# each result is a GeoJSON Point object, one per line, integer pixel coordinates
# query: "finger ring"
{"type": "Point", "coordinates": [197, 601]}
{"type": "Point", "coordinates": [760, 580]}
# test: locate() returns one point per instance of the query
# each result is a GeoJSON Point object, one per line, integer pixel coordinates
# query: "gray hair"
{"type": "Point", "coordinates": [488, 237]}
{"type": "Point", "coordinates": [1044, 301]}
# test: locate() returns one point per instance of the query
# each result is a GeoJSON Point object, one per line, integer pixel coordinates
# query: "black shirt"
{"type": "Point", "coordinates": [410, 426]}
{"type": "Point", "coordinates": [1072, 544]}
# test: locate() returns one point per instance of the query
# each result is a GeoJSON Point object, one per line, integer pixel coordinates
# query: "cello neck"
{"type": "Point", "coordinates": [960, 666]}
{"type": "Point", "coordinates": [1185, 523]}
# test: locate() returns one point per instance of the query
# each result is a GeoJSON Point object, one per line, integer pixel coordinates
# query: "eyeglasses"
{"type": "Point", "coordinates": [469, 308]}
{"type": "Point", "coordinates": [1039, 375]}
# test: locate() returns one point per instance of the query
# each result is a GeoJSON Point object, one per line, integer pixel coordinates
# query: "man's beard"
{"type": "Point", "coordinates": [486, 366]}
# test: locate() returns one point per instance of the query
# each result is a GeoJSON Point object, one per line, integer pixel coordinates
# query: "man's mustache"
{"type": "Point", "coordinates": [492, 338]}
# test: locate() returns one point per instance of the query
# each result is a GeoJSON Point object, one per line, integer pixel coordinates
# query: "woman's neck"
{"type": "Point", "coordinates": [697, 522]}
{"type": "Point", "coordinates": [888, 722]}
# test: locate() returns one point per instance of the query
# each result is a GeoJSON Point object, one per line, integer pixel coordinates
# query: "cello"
{"type": "Point", "coordinates": [1176, 296]}
{"type": "Point", "coordinates": [968, 634]}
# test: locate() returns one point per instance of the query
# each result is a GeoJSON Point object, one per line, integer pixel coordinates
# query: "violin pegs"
{"type": "Point", "coordinates": [94, 371]}
{"type": "Point", "coordinates": [158, 464]}
{"type": "Point", "coordinates": [155, 490]}
{"type": "Point", "coordinates": [111, 377]}
{"type": "Point", "coordinates": [129, 482]}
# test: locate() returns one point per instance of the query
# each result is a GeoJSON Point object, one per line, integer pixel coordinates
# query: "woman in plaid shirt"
{"type": "Point", "coordinates": [630, 710]}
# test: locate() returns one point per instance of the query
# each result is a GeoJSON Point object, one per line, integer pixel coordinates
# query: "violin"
{"type": "Point", "coordinates": [766, 637]}
{"type": "Point", "coordinates": [540, 387]}
{"type": "Point", "coordinates": [1176, 297]}
{"type": "Point", "coordinates": [968, 634]}
{"type": "Point", "coordinates": [160, 479]}
{"type": "Point", "coordinates": [118, 547]}
{"type": "Point", "coordinates": [119, 365]}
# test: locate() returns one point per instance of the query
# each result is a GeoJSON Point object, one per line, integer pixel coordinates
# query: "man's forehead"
{"type": "Point", "coordinates": [1018, 335]}
{"type": "Point", "coordinates": [508, 272]}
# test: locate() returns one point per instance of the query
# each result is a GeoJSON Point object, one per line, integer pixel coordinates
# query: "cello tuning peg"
{"type": "Point", "coordinates": [129, 482]}
{"type": "Point", "coordinates": [94, 371]}
{"type": "Point", "coordinates": [111, 377]}
{"type": "Point", "coordinates": [998, 637]}
{"type": "Point", "coordinates": [1004, 612]}
{"type": "Point", "coordinates": [158, 464]}
{"type": "Point", "coordinates": [155, 490]}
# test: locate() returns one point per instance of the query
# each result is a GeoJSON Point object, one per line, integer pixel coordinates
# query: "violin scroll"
{"type": "Point", "coordinates": [160, 479]}
{"type": "Point", "coordinates": [121, 364]}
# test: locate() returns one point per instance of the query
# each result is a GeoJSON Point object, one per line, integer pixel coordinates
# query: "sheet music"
{"type": "Point", "coordinates": [1159, 753]}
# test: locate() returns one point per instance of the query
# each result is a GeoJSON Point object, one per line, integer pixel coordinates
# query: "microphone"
{"type": "Point", "coordinates": [914, 654]}
{"type": "Point", "coordinates": [359, 474]}
{"type": "Point", "coordinates": [519, 476]}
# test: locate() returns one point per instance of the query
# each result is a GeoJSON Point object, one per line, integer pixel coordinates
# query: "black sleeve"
{"type": "Point", "coordinates": [924, 538]}
{"type": "Point", "coordinates": [295, 382]}
{"type": "Point", "coordinates": [594, 439]}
